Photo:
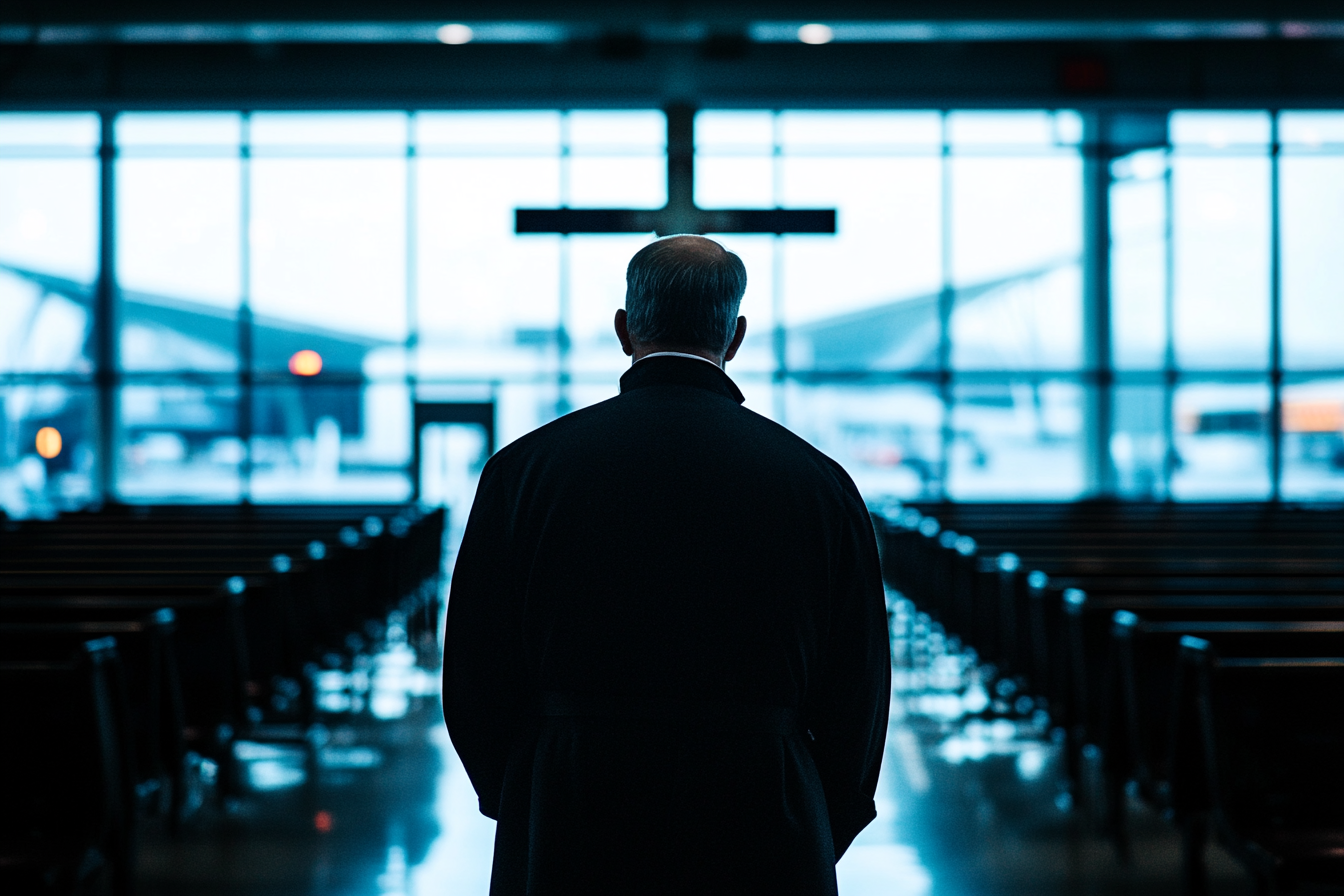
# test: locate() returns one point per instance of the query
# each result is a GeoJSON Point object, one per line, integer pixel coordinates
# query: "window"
{"type": "Point", "coordinates": [288, 288]}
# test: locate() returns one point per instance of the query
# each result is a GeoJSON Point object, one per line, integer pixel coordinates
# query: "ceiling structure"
{"type": "Point", "coordinates": [285, 54]}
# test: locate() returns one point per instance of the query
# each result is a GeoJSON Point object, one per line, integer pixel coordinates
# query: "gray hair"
{"type": "Point", "coordinates": [684, 291]}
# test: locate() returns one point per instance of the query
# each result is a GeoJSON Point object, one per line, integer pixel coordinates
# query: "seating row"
{"type": "Point", "coordinates": [1087, 615]}
{"type": "Point", "coordinates": [184, 631]}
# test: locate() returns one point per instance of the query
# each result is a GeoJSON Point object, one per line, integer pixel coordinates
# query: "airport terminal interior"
{"type": "Point", "coordinates": [1060, 286]}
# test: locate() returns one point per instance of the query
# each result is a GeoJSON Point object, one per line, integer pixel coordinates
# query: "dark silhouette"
{"type": "Point", "coordinates": [666, 664]}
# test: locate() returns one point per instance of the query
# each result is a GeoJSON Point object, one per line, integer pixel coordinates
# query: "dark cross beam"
{"type": "Point", "coordinates": [680, 215]}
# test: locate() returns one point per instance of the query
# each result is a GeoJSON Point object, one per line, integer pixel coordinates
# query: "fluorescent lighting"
{"type": "Point", "coordinates": [454, 34]}
{"type": "Point", "coordinates": [815, 34]}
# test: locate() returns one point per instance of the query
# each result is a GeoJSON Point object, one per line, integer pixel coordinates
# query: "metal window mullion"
{"type": "Point", "coordinates": [1275, 317]}
{"type": "Point", "coordinates": [946, 298]}
{"type": "Point", "coordinates": [245, 323]}
{"type": "Point", "coordinates": [779, 336]}
{"type": "Point", "coordinates": [1169, 323]}
{"type": "Point", "coordinates": [104, 326]}
{"type": "Point", "coordinates": [563, 374]}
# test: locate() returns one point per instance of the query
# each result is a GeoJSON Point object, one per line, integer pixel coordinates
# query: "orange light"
{"type": "Point", "coordinates": [323, 821]}
{"type": "Point", "coordinates": [1311, 416]}
{"type": "Point", "coordinates": [305, 362]}
{"type": "Point", "coordinates": [48, 442]}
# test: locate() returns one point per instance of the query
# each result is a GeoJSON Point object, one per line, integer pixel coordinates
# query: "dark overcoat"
{"type": "Point", "coordinates": [666, 665]}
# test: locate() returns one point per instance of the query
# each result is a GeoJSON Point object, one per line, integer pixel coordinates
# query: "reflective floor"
{"type": "Point", "coordinates": [966, 808]}
{"type": "Point", "coordinates": [971, 800]}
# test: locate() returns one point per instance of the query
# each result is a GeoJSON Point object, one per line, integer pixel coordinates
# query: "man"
{"type": "Point", "coordinates": [666, 665]}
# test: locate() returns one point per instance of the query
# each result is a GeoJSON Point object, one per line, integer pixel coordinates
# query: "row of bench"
{"type": "Point", "coordinates": [138, 647]}
{"type": "Point", "coordinates": [1199, 650]}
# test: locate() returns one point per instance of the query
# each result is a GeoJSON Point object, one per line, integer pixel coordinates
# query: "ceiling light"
{"type": "Point", "coordinates": [454, 34]}
{"type": "Point", "coordinates": [815, 34]}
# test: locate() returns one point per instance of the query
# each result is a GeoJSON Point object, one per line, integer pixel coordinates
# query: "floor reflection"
{"type": "Point", "coordinates": [971, 800]}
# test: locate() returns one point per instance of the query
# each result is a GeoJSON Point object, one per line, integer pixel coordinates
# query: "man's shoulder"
{"type": "Point", "coordinates": [735, 425]}
{"type": "Point", "coordinates": [563, 427]}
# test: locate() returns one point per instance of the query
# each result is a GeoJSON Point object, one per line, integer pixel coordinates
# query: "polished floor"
{"type": "Point", "coordinates": [967, 807]}
{"type": "Point", "coordinates": [968, 804]}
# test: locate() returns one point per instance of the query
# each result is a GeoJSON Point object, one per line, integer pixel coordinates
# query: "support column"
{"type": "Point", "coordinates": [105, 309]}
{"type": "Point", "coordinates": [1099, 470]}
{"type": "Point", "coordinates": [1275, 319]}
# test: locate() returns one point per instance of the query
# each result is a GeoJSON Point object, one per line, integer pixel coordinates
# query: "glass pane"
{"type": "Point", "coordinates": [1139, 447]}
{"type": "Point", "coordinates": [328, 249]}
{"type": "Point", "coordinates": [178, 443]}
{"type": "Point", "coordinates": [1030, 322]}
{"type": "Point", "coordinates": [140, 133]}
{"type": "Point", "coordinates": [49, 219]}
{"type": "Point", "coordinates": [1221, 221]}
{"type": "Point", "coordinates": [44, 323]}
{"type": "Point", "coordinates": [1311, 130]}
{"type": "Point", "coordinates": [344, 132]}
{"type": "Point", "coordinates": [596, 289]}
{"type": "Point", "coordinates": [1222, 442]}
{"type": "Point", "coordinates": [1139, 261]}
{"type": "Point", "coordinates": [967, 129]}
{"type": "Point", "coordinates": [752, 133]}
{"type": "Point", "coordinates": [865, 298]}
{"type": "Point", "coordinates": [1219, 130]}
{"type": "Point", "coordinates": [1017, 440]}
{"type": "Point", "coordinates": [1016, 240]}
{"type": "Point", "coordinates": [736, 180]}
{"type": "Point", "coordinates": [331, 443]}
{"type": "Point", "coordinates": [1313, 440]}
{"type": "Point", "coordinates": [860, 132]}
{"type": "Point", "coordinates": [887, 438]}
{"type": "Point", "coordinates": [47, 449]}
{"type": "Point", "coordinates": [640, 131]}
{"type": "Point", "coordinates": [488, 301]}
{"type": "Point", "coordinates": [1311, 191]}
{"type": "Point", "coordinates": [178, 262]}
{"type": "Point", "coordinates": [617, 181]}
{"type": "Point", "coordinates": [474, 133]}
{"type": "Point", "coordinates": [76, 132]}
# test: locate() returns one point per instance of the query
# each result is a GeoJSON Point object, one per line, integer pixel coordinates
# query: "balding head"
{"type": "Point", "coordinates": [683, 293]}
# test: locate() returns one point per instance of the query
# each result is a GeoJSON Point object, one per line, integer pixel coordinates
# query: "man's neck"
{"type": "Point", "coordinates": [679, 353]}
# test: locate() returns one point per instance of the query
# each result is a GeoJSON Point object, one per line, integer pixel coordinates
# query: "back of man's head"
{"type": "Point", "coordinates": [684, 292]}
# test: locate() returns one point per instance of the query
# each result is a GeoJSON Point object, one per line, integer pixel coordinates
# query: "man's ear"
{"type": "Point", "coordinates": [623, 332]}
{"type": "Point", "coordinates": [737, 340]}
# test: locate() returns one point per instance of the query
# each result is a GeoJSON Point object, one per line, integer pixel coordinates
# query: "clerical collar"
{"type": "Point", "coordinates": [676, 369]}
{"type": "Point", "coordinates": [676, 355]}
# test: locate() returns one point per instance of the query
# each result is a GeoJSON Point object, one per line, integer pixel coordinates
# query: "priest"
{"type": "Point", "coordinates": [666, 660]}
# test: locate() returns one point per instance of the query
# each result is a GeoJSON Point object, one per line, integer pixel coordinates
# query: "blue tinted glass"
{"type": "Point", "coordinates": [178, 443]}
{"type": "Point", "coordinates": [48, 460]}
{"type": "Point", "coordinates": [1017, 440]}
{"type": "Point", "coordinates": [330, 443]}
{"type": "Point", "coordinates": [1313, 439]}
{"type": "Point", "coordinates": [1221, 442]}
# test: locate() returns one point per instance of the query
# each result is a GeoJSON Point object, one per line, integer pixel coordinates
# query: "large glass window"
{"type": "Point", "coordinates": [48, 240]}
{"type": "Point", "coordinates": [179, 240]}
{"type": "Point", "coordinates": [292, 291]}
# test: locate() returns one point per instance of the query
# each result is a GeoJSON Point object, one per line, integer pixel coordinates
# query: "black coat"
{"type": "Point", "coordinates": [666, 663]}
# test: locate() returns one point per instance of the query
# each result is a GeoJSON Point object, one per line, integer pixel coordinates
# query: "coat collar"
{"type": "Point", "coordinates": [673, 371]}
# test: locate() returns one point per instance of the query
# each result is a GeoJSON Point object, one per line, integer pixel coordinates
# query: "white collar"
{"type": "Point", "coordinates": [678, 355]}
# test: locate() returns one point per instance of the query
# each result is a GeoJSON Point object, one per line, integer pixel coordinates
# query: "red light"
{"type": "Point", "coordinates": [323, 821]}
{"type": "Point", "coordinates": [305, 362]}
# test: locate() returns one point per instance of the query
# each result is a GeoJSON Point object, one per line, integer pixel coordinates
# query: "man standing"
{"type": "Point", "coordinates": [666, 664]}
